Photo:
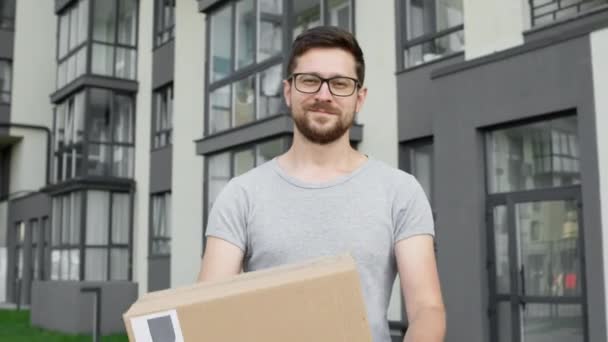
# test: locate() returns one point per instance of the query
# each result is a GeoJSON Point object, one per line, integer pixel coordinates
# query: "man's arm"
{"type": "Point", "coordinates": [221, 260]}
{"type": "Point", "coordinates": [421, 289]}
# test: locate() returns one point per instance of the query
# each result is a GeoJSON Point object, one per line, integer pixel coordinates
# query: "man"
{"type": "Point", "coordinates": [322, 197]}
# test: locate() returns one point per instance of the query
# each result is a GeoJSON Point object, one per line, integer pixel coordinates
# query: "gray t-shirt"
{"type": "Point", "coordinates": [277, 219]}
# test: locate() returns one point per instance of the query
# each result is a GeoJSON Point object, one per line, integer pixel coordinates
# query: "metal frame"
{"type": "Point", "coordinates": [163, 92]}
{"type": "Point", "coordinates": [404, 43]}
{"type": "Point", "coordinates": [160, 28]}
{"type": "Point", "coordinates": [516, 297]}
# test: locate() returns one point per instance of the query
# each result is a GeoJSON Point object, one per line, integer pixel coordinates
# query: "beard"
{"type": "Point", "coordinates": [305, 122]}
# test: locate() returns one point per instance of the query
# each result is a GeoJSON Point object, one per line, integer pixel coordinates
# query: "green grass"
{"type": "Point", "coordinates": [15, 326]}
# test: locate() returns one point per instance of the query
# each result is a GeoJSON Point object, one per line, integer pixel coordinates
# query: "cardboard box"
{"type": "Point", "coordinates": [318, 301]}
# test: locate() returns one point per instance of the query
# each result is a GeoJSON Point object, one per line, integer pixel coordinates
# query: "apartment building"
{"type": "Point", "coordinates": [122, 120]}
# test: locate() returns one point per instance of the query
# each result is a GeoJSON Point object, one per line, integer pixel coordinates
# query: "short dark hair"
{"type": "Point", "coordinates": [327, 37]}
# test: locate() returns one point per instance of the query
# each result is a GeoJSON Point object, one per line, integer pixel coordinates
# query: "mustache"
{"type": "Point", "coordinates": [324, 107]}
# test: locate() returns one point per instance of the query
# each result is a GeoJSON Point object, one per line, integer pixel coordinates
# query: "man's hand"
{"type": "Point", "coordinates": [221, 260]}
{"type": "Point", "coordinates": [420, 286]}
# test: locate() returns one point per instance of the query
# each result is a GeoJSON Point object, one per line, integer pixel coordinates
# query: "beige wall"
{"type": "Point", "coordinates": [599, 59]}
{"type": "Point", "coordinates": [142, 146]}
{"type": "Point", "coordinates": [34, 68]}
{"type": "Point", "coordinates": [187, 182]}
{"type": "Point", "coordinates": [492, 25]}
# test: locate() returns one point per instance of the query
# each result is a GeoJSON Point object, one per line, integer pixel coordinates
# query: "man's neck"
{"type": "Point", "coordinates": [316, 163]}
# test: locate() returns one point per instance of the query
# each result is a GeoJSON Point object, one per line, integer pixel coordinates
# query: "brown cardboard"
{"type": "Point", "coordinates": [319, 300]}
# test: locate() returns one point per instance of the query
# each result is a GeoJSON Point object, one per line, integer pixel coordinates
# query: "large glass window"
{"type": "Point", "coordinates": [72, 47]}
{"type": "Point", "coordinates": [5, 81]}
{"type": "Point", "coordinates": [108, 133]}
{"type": "Point", "coordinates": [224, 166]}
{"type": "Point", "coordinates": [114, 38]}
{"type": "Point", "coordinates": [105, 223]}
{"type": "Point", "coordinates": [160, 235]}
{"type": "Point", "coordinates": [431, 29]}
{"type": "Point", "coordinates": [538, 155]}
{"type": "Point", "coordinates": [69, 137]}
{"type": "Point", "coordinates": [7, 15]}
{"type": "Point", "coordinates": [164, 21]}
{"type": "Point", "coordinates": [162, 120]}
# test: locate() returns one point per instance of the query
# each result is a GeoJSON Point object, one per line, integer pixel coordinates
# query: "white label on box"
{"type": "Point", "coordinates": [157, 327]}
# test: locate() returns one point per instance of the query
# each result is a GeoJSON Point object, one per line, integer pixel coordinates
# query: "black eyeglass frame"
{"type": "Point", "coordinates": [292, 78]}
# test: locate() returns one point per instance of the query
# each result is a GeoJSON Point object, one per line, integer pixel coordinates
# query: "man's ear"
{"type": "Point", "coordinates": [287, 92]}
{"type": "Point", "coordinates": [361, 96]}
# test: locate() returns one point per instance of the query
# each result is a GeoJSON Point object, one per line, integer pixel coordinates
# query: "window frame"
{"type": "Point", "coordinates": [160, 28]}
{"type": "Point", "coordinates": [404, 43]}
{"type": "Point", "coordinates": [81, 247]}
{"type": "Point", "coordinates": [163, 92]}
{"type": "Point", "coordinates": [256, 67]}
{"type": "Point", "coordinates": [167, 209]}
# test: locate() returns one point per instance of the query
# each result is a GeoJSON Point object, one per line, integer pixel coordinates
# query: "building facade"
{"type": "Point", "coordinates": [122, 120]}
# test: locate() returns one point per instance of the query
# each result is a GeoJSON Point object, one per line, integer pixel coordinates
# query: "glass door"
{"type": "Point", "coordinates": [537, 280]}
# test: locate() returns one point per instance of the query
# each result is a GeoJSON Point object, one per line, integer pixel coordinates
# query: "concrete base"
{"type": "Point", "coordinates": [61, 306]}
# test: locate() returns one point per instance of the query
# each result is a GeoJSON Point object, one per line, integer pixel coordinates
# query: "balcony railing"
{"type": "Point", "coordinates": [543, 12]}
{"type": "Point", "coordinates": [430, 47]}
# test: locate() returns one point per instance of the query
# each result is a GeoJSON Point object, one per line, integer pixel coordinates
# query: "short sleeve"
{"type": "Point", "coordinates": [228, 216]}
{"type": "Point", "coordinates": [412, 214]}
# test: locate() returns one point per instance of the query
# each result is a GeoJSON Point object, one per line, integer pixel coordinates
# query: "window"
{"type": "Point", "coordinates": [65, 238]}
{"type": "Point", "coordinates": [224, 166]}
{"type": "Point", "coordinates": [108, 133]}
{"type": "Point", "coordinates": [162, 120]}
{"type": "Point", "coordinates": [420, 164]}
{"type": "Point", "coordinates": [165, 21]}
{"type": "Point", "coordinates": [547, 11]}
{"type": "Point", "coordinates": [533, 156]}
{"type": "Point", "coordinates": [107, 222]}
{"type": "Point", "coordinates": [69, 137]}
{"type": "Point", "coordinates": [245, 71]}
{"type": "Point", "coordinates": [431, 29]}
{"type": "Point", "coordinates": [72, 44]}
{"type": "Point", "coordinates": [114, 38]}
{"type": "Point", "coordinates": [7, 15]}
{"type": "Point", "coordinates": [5, 81]}
{"type": "Point", "coordinates": [160, 236]}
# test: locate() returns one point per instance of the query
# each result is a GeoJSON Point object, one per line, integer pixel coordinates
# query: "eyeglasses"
{"type": "Point", "coordinates": [338, 85]}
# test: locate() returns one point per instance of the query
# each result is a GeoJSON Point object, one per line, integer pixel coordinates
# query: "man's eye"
{"type": "Point", "coordinates": [310, 80]}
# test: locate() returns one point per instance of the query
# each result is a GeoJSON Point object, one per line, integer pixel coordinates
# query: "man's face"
{"type": "Point", "coordinates": [322, 117]}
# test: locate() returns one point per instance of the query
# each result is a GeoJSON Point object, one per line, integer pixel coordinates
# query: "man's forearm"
{"type": "Point", "coordinates": [427, 326]}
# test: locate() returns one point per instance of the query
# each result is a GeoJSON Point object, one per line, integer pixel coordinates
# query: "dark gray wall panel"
{"type": "Point", "coordinates": [161, 167]}
{"type": "Point", "coordinates": [555, 78]}
{"type": "Point", "coordinates": [163, 64]}
{"type": "Point", "coordinates": [60, 305]}
{"type": "Point", "coordinates": [5, 116]}
{"type": "Point", "coordinates": [28, 207]}
{"type": "Point", "coordinates": [416, 88]}
{"type": "Point", "coordinates": [159, 273]}
{"type": "Point", "coordinates": [6, 44]}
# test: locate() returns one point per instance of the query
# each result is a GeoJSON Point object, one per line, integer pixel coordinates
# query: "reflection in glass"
{"type": "Point", "coordinates": [221, 51]}
{"type": "Point", "coordinates": [268, 150]}
{"type": "Point", "coordinates": [96, 266]}
{"type": "Point", "coordinates": [127, 12]}
{"type": "Point", "coordinates": [246, 28]}
{"type": "Point", "coordinates": [103, 59]}
{"type": "Point", "coordinates": [243, 161]}
{"type": "Point", "coordinates": [533, 156]}
{"type": "Point", "coordinates": [219, 175]}
{"type": "Point", "coordinates": [221, 110]}
{"type": "Point", "coordinates": [505, 329]}
{"type": "Point", "coordinates": [307, 15]}
{"type": "Point", "coordinates": [270, 100]}
{"type": "Point", "coordinates": [340, 14]}
{"type": "Point", "coordinates": [98, 214]}
{"type": "Point", "coordinates": [421, 160]}
{"type": "Point", "coordinates": [552, 322]}
{"type": "Point", "coordinates": [244, 97]}
{"type": "Point", "coordinates": [271, 28]}
{"type": "Point", "coordinates": [548, 252]}
{"type": "Point", "coordinates": [104, 21]}
{"type": "Point", "coordinates": [501, 246]}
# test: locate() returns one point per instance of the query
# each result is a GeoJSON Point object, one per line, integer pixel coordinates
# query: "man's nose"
{"type": "Point", "coordinates": [324, 94]}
